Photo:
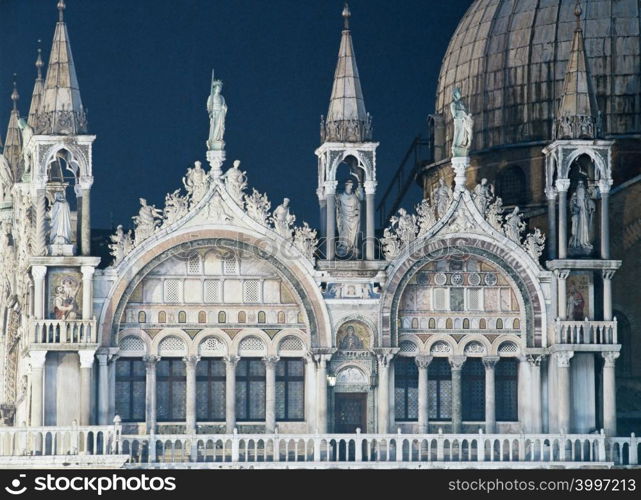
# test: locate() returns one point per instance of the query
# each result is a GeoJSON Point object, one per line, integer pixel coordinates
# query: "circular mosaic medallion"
{"type": "Point", "coordinates": [457, 279]}
{"type": "Point", "coordinates": [440, 279]}
{"type": "Point", "coordinates": [490, 279]}
{"type": "Point", "coordinates": [474, 279]}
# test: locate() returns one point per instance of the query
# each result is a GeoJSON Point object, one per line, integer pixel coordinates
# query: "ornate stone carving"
{"type": "Point", "coordinates": [456, 362]}
{"type": "Point", "coordinates": [483, 196]}
{"type": "Point", "coordinates": [6, 180]}
{"type": "Point", "coordinates": [283, 220]}
{"type": "Point", "coordinates": [489, 362]}
{"type": "Point", "coordinates": [305, 239]}
{"type": "Point", "coordinates": [422, 362]}
{"type": "Point", "coordinates": [121, 244]}
{"type": "Point", "coordinates": [216, 209]}
{"type": "Point", "coordinates": [236, 182]}
{"type": "Point", "coordinates": [610, 358]}
{"type": "Point", "coordinates": [391, 244]}
{"type": "Point", "coordinates": [176, 207]}
{"type": "Point", "coordinates": [426, 217]}
{"type": "Point", "coordinates": [348, 219]}
{"type": "Point", "coordinates": [258, 207]}
{"type": "Point", "coordinates": [217, 108]}
{"type": "Point", "coordinates": [463, 126]}
{"type": "Point", "coordinates": [514, 225]}
{"type": "Point", "coordinates": [146, 222]}
{"type": "Point", "coordinates": [534, 244]}
{"type": "Point", "coordinates": [582, 209]}
{"type": "Point", "coordinates": [196, 183]}
{"type": "Point", "coordinates": [441, 198]}
{"type": "Point", "coordinates": [563, 358]}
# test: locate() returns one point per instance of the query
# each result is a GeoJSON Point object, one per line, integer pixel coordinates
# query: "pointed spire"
{"type": "Point", "coordinates": [13, 143]}
{"type": "Point", "coordinates": [347, 120]}
{"type": "Point", "coordinates": [61, 111]}
{"type": "Point", "coordinates": [38, 89]}
{"type": "Point", "coordinates": [578, 116]}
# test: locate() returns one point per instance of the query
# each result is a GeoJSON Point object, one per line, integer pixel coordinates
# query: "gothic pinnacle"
{"type": "Point", "coordinates": [61, 10]}
{"type": "Point", "coordinates": [346, 15]}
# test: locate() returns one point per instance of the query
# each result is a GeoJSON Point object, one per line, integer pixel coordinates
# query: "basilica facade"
{"type": "Point", "coordinates": [222, 315]}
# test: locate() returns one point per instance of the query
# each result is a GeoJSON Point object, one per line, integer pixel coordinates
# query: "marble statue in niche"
{"type": "Point", "coordinates": [582, 209]}
{"type": "Point", "coordinates": [60, 233]}
{"type": "Point", "coordinates": [348, 218]}
{"type": "Point", "coordinates": [463, 126]}
{"type": "Point", "coordinates": [217, 108]}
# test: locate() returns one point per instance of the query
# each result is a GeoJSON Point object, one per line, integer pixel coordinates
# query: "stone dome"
{"type": "Point", "coordinates": [509, 58]}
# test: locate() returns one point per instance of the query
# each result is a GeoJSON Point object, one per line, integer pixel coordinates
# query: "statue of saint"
{"type": "Point", "coordinates": [146, 221]}
{"type": "Point", "coordinates": [348, 219]}
{"type": "Point", "coordinates": [463, 126]}
{"type": "Point", "coordinates": [283, 220]}
{"type": "Point", "coordinates": [483, 195]}
{"type": "Point", "coordinates": [217, 108]}
{"type": "Point", "coordinates": [235, 181]}
{"type": "Point", "coordinates": [27, 134]}
{"type": "Point", "coordinates": [121, 244]}
{"type": "Point", "coordinates": [582, 209]}
{"type": "Point", "coordinates": [60, 233]}
{"type": "Point", "coordinates": [514, 225]}
{"type": "Point", "coordinates": [196, 183]}
{"type": "Point", "coordinates": [441, 198]}
{"type": "Point", "coordinates": [6, 179]}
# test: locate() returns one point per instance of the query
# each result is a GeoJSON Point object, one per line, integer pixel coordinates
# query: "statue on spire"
{"type": "Point", "coordinates": [463, 126]}
{"type": "Point", "coordinates": [217, 108]}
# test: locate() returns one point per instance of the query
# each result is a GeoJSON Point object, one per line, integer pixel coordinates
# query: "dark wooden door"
{"type": "Point", "coordinates": [351, 413]}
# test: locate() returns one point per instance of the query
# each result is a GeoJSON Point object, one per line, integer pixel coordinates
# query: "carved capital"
{"type": "Point", "coordinates": [489, 362]}
{"type": "Point", "coordinates": [38, 272]}
{"type": "Point", "coordinates": [103, 359]}
{"type": "Point", "coordinates": [231, 361]}
{"type": "Point", "coordinates": [535, 360]}
{"type": "Point", "coordinates": [610, 358]}
{"type": "Point", "coordinates": [191, 361]}
{"type": "Point", "coordinates": [550, 193]}
{"type": "Point", "coordinates": [86, 358]}
{"type": "Point", "coordinates": [37, 359]}
{"type": "Point", "coordinates": [150, 361]}
{"type": "Point", "coordinates": [384, 357]}
{"type": "Point", "coordinates": [270, 361]}
{"type": "Point", "coordinates": [87, 272]}
{"type": "Point", "coordinates": [422, 362]}
{"type": "Point", "coordinates": [608, 274]}
{"type": "Point", "coordinates": [563, 358]}
{"type": "Point", "coordinates": [370, 187]}
{"type": "Point", "coordinates": [562, 274]}
{"type": "Point", "coordinates": [562, 185]}
{"type": "Point", "coordinates": [604, 186]}
{"type": "Point", "coordinates": [457, 362]}
{"type": "Point", "coordinates": [330, 187]}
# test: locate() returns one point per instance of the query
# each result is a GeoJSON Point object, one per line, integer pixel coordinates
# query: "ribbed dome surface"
{"type": "Point", "coordinates": [509, 59]}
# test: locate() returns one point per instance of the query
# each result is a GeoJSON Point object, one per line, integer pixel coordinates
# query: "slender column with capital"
{"type": "Point", "coordinates": [330, 192]}
{"type": "Point", "coordinates": [270, 393]}
{"type": "Point", "coordinates": [423, 362]}
{"type": "Point", "coordinates": [85, 237]}
{"type": "Point", "coordinates": [562, 276]}
{"type": "Point", "coordinates": [112, 385]}
{"type": "Point", "coordinates": [489, 362]}
{"type": "Point", "coordinates": [87, 296]}
{"type": "Point", "coordinates": [563, 389]}
{"type": "Point", "coordinates": [103, 389]}
{"type": "Point", "coordinates": [230, 392]}
{"type": "Point", "coordinates": [551, 233]}
{"type": "Point", "coordinates": [321, 400]}
{"type": "Point", "coordinates": [384, 360]}
{"type": "Point", "coordinates": [39, 273]}
{"type": "Point", "coordinates": [535, 384]}
{"type": "Point", "coordinates": [456, 365]}
{"type": "Point", "coordinates": [370, 243]}
{"type": "Point", "coordinates": [562, 186]}
{"type": "Point", "coordinates": [150, 384]}
{"type": "Point", "coordinates": [310, 392]}
{"type": "Point", "coordinates": [190, 392]}
{"type": "Point", "coordinates": [607, 295]}
{"type": "Point", "coordinates": [37, 361]}
{"type": "Point", "coordinates": [604, 188]}
{"type": "Point", "coordinates": [609, 393]}
{"type": "Point", "coordinates": [86, 367]}
{"type": "Point", "coordinates": [39, 244]}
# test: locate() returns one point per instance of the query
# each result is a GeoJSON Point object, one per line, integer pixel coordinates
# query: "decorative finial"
{"type": "Point", "coordinates": [39, 63]}
{"type": "Point", "coordinates": [61, 10]}
{"type": "Point", "coordinates": [577, 12]}
{"type": "Point", "coordinates": [15, 95]}
{"type": "Point", "coordinates": [346, 15]}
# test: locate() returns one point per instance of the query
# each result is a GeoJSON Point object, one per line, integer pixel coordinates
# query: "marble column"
{"type": "Point", "coordinates": [551, 232]}
{"type": "Point", "coordinates": [370, 208]}
{"type": "Point", "coordinates": [150, 392]}
{"type": "Point", "coordinates": [103, 389]}
{"type": "Point", "coordinates": [321, 378]}
{"type": "Point", "coordinates": [535, 385]}
{"type": "Point", "coordinates": [230, 392]}
{"type": "Point", "coordinates": [524, 397]}
{"type": "Point", "coordinates": [330, 193]}
{"type": "Point", "coordinates": [85, 238]}
{"type": "Point", "coordinates": [489, 362]}
{"type": "Point", "coordinates": [604, 188]}
{"type": "Point", "coordinates": [384, 360]}
{"type": "Point", "coordinates": [86, 368]}
{"type": "Point", "coordinates": [39, 245]}
{"type": "Point", "coordinates": [310, 392]}
{"type": "Point", "coordinates": [270, 393]}
{"type": "Point", "coordinates": [563, 390]}
{"type": "Point", "coordinates": [112, 385]}
{"type": "Point", "coordinates": [39, 273]}
{"type": "Point", "coordinates": [423, 363]}
{"type": "Point", "coordinates": [190, 393]}
{"type": "Point", "coordinates": [456, 365]}
{"type": "Point", "coordinates": [562, 186]}
{"type": "Point", "coordinates": [561, 280]}
{"type": "Point", "coordinates": [609, 393]}
{"type": "Point", "coordinates": [37, 361]}
{"type": "Point", "coordinates": [87, 295]}
{"type": "Point", "coordinates": [607, 295]}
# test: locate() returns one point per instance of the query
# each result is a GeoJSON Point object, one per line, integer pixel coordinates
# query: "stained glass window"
{"type": "Point", "coordinates": [290, 390]}
{"type": "Point", "coordinates": [439, 377]}
{"type": "Point", "coordinates": [473, 381]}
{"type": "Point", "coordinates": [250, 390]}
{"type": "Point", "coordinates": [506, 381]}
{"type": "Point", "coordinates": [406, 390]}
{"type": "Point", "coordinates": [210, 390]}
{"type": "Point", "coordinates": [130, 389]}
{"type": "Point", "coordinates": [170, 390]}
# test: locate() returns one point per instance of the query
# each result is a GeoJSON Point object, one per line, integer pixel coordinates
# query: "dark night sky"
{"type": "Point", "coordinates": [144, 68]}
